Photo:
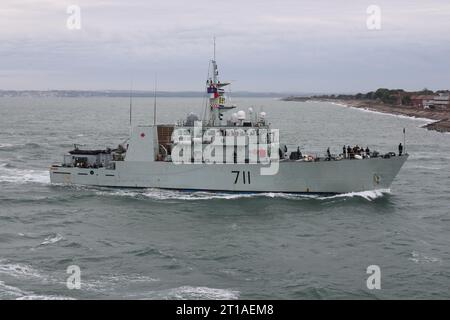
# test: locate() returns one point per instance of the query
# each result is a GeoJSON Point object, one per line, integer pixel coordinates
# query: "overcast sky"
{"type": "Point", "coordinates": [277, 45]}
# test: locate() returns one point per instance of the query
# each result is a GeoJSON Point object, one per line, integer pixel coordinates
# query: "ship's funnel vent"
{"type": "Point", "coordinates": [191, 118]}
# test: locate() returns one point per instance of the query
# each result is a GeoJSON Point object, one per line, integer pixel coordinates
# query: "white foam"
{"type": "Point", "coordinates": [118, 193]}
{"type": "Point", "coordinates": [112, 283]}
{"type": "Point", "coordinates": [368, 195]}
{"type": "Point", "coordinates": [24, 272]}
{"type": "Point", "coordinates": [339, 104]}
{"type": "Point", "coordinates": [52, 239]}
{"type": "Point", "coordinates": [6, 291]}
{"type": "Point", "coordinates": [427, 167]}
{"type": "Point", "coordinates": [400, 116]}
{"type": "Point", "coordinates": [426, 120]}
{"type": "Point", "coordinates": [163, 194]}
{"type": "Point", "coordinates": [188, 292]}
{"type": "Point", "coordinates": [194, 195]}
{"type": "Point", "coordinates": [17, 146]}
{"type": "Point", "coordinates": [418, 257]}
{"type": "Point", "coordinates": [43, 297]}
{"type": "Point", "coordinates": [6, 145]}
{"type": "Point", "coordinates": [12, 175]}
{"type": "Point", "coordinates": [131, 278]}
{"type": "Point", "coordinates": [19, 271]}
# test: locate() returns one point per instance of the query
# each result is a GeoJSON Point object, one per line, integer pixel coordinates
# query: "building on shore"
{"type": "Point", "coordinates": [418, 101]}
{"type": "Point", "coordinates": [440, 101]}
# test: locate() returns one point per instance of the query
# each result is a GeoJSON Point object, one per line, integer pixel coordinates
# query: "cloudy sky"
{"type": "Point", "coordinates": [276, 45]}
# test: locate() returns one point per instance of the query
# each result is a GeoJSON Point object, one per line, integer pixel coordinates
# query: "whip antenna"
{"type": "Point", "coordinates": [154, 101]}
{"type": "Point", "coordinates": [404, 139]}
{"type": "Point", "coordinates": [131, 103]}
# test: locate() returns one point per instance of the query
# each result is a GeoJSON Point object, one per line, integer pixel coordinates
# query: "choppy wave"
{"type": "Point", "coordinates": [418, 257]}
{"type": "Point", "coordinates": [18, 146]}
{"type": "Point", "coordinates": [7, 165]}
{"type": "Point", "coordinates": [19, 270]}
{"type": "Point", "coordinates": [6, 146]}
{"type": "Point", "coordinates": [11, 292]}
{"type": "Point", "coordinates": [54, 238]}
{"type": "Point", "coordinates": [112, 283]}
{"type": "Point", "coordinates": [427, 167]}
{"type": "Point", "coordinates": [26, 273]}
{"type": "Point", "coordinates": [131, 278]}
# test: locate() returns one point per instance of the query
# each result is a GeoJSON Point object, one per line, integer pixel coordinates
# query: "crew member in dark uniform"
{"type": "Point", "coordinates": [349, 152]}
{"type": "Point", "coordinates": [400, 149]}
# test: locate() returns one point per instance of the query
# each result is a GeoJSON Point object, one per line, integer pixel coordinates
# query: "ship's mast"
{"type": "Point", "coordinates": [216, 93]}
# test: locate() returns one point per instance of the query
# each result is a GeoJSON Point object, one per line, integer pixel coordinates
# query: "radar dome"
{"type": "Point", "coordinates": [241, 115]}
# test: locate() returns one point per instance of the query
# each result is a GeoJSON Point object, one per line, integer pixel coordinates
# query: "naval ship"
{"type": "Point", "coordinates": [235, 153]}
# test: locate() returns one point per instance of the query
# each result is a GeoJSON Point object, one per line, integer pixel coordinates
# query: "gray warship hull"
{"type": "Point", "coordinates": [293, 176]}
{"type": "Point", "coordinates": [218, 154]}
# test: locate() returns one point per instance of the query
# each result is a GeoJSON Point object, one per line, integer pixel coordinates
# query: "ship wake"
{"type": "Point", "coordinates": [162, 194]}
{"type": "Point", "coordinates": [10, 174]}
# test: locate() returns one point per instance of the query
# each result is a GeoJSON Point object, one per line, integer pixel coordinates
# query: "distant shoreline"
{"type": "Point", "coordinates": [440, 118]}
{"type": "Point", "coordinates": [126, 94]}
